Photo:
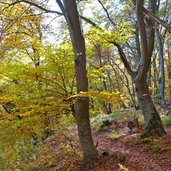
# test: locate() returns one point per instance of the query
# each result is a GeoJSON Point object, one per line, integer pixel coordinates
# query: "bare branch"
{"type": "Point", "coordinates": [35, 5]}
{"type": "Point", "coordinates": [61, 6]}
{"type": "Point", "coordinates": [106, 11]}
{"type": "Point", "coordinates": [124, 60]}
{"type": "Point", "coordinates": [89, 21]}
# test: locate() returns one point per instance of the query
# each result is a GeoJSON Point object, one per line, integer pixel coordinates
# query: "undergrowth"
{"type": "Point", "coordinates": [117, 116]}
{"type": "Point", "coordinates": [166, 119]}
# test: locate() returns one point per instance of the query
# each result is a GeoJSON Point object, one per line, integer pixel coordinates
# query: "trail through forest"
{"type": "Point", "coordinates": [125, 151]}
{"type": "Point", "coordinates": [131, 152]}
{"type": "Point", "coordinates": [136, 154]}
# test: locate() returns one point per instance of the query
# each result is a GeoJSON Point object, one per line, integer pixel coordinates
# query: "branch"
{"type": "Point", "coordinates": [150, 15]}
{"type": "Point", "coordinates": [6, 109]}
{"type": "Point", "coordinates": [50, 11]}
{"type": "Point", "coordinates": [157, 19]}
{"type": "Point", "coordinates": [33, 4]}
{"type": "Point", "coordinates": [122, 55]}
{"type": "Point", "coordinates": [124, 60]}
{"type": "Point", "coordinates": [61, 6]}
{"type": "Point", "coordinates": [89, 21]}
{"type": "Point", "coordinates": [127, 81]}
{"type": "Point", "coordinates": [106, 11]}
{"type": "Point", "coordinates": [10, 24]}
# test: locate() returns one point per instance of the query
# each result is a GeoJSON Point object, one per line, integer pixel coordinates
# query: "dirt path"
{"type": "Point", "coordinates": [152, 154]}
{"type": "Point", "coordinates": [129, 151]}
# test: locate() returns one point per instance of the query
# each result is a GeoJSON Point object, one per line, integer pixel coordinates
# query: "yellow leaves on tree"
{"type": "Point", "coordinates": [121, 33]}
{"type": "Point", "coordinates": [109, 97]}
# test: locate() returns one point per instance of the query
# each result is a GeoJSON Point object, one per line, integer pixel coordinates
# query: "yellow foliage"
{"type": "Point", "coordinates": [103, 96]}
{"type": "Point", "coordinates": [122, 32]}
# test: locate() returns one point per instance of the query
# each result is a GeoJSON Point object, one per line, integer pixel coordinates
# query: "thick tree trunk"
{"type": "Point", "coordinates": [84, 131]}
{"type": "Point", "coordinates": [82, 104]}
{"type": "Point", "coordinates": [153, 123]}
{"type": "Point", "coordinates": [151, 116]}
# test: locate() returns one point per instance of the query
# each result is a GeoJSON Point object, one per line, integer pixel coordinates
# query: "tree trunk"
{"type": "Point", "coordinates": [137, 46]}
{"type": "Point", "coordinates": [147, 33]}
{"type": "Point", "coordinates": [149, 79]}
{"type": "Point", "coordinates": [155, 76]}
{"type": "Point", "coordinates": [151, 116]}
{"type": "Point", "coordinates": [82, 104]}
{"type": "Point", "coordinates": [107, 106]}
{"type": "Point", "coordinates": [169, 73]}
{"type": "Point", "coordinates": [162, 71]}
{"type": "Point", "coordinates": [153, 123]}
{"type": "Point", "coordinates": [84, 131]}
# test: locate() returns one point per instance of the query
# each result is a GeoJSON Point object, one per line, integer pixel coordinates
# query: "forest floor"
{"type": "Point", "coordinates": [122, 152]}
{"type": "Point", "coordinates": [134, 153]}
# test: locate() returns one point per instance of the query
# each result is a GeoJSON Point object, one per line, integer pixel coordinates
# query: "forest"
{"type": "Point", "coordinates": [85, 85]}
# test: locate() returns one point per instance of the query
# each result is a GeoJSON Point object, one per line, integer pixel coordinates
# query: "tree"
{"type": "Point", "coordinates": [109, 37]}
{"type": "Point", "coordinates": [69, 9]}
{"type": "Point", "coordinates": [139, 77]}
{"type": "Point", "coordinates": [151, 116]}
{"type": "Point", "coordinates": [161, 57]}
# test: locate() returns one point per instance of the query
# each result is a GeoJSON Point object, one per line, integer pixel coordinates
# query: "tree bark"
{"type": "Point", "coordinates": [153, 123]}
{"type": "Point", "coordinates": [138, 46]}
{"type": "Point", "coordinates": [82, 104]}
{"type": "Point", "coordinates": [151, 116]}
{"type": "Point", "coordinates": [169, 73]}
{"type": "Point", "coordinates": [155, 76]}
{"type": "Point", "coordinates": [161, 59]}
{"type": "Point", "coordinates": [162, 71]}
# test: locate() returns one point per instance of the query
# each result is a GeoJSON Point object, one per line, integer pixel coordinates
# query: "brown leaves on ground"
{"type": "Point", "coordinates": [150, 154]}
{"type": "Point", "coordinates": [126, 151]}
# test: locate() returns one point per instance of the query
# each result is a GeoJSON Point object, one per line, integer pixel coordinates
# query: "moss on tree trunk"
{"type": "Point", "coordinates": [153, 123]}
